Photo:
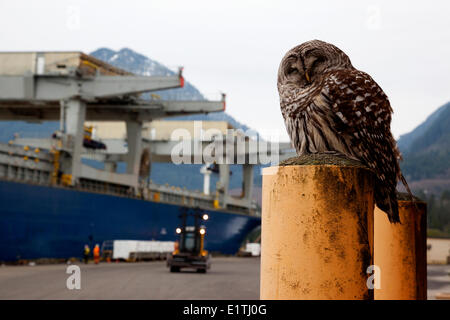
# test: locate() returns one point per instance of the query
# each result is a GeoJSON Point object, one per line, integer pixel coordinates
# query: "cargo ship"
{"type": "Point", "coordinates": [52, 203]}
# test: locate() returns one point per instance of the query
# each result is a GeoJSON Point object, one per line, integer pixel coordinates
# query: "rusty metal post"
{"type": "Point", "coordinates": [421, 249]}
{"type": "Point", "coordinates": [400, 253]}
{"type": "Point", "coordinates": [317, 232]}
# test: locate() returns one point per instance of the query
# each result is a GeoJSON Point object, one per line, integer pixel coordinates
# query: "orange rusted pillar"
{"type": "Point", "coordinates": [421, 249]}
{"type": "Point", "coordinates": [317, 231]}
{"type": "Point", "coordinates": [400, 253]}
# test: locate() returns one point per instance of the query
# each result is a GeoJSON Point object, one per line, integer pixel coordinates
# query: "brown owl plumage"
{"type": "Point", "coordinates": [329, 106]}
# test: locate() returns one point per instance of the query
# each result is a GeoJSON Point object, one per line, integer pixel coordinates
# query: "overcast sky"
{"type": "Point", "coordinates": [236, 46]}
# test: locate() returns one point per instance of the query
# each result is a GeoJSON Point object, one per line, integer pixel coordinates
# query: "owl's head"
{"type": "Point", "coordinates": [305, 64]}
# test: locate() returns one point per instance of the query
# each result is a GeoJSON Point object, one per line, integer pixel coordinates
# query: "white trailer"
{"type": "Point", "coordinates": [141, 250]}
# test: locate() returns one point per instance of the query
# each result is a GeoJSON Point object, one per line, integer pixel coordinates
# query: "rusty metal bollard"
{"type": "Point", "coordinates": [317, 229]}
{"type": "Point", "coordinates": [400, 253]}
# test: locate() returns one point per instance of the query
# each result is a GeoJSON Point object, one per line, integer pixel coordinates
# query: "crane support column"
{"type": "Point", "coordinates": [247, 187]}
{"type": "Point", "coordinates": [317, 230]}
{"type": "Point", "coordinates": [400, 253]}
{"type": "Point", "coordinates": [223, 183]}
{"type": "Point", "coordinates": [134, 140]}
{"type": "Point", "coordinates": [74, 113]}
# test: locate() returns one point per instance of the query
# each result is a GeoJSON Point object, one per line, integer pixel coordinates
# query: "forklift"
{"type": "Point", "coordinates": [189, 250]}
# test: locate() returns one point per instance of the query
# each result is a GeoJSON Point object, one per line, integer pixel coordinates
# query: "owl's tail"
{"type": "Point", "coordinates": [386, 200]}
{"type": "Point", "coordinates": [393, 214]}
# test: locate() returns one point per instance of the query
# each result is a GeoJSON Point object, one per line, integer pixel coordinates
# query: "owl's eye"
{"type": "Point", "coordinates": [318, 61]}
{"type": "Point", "coordinates": [291, 71]}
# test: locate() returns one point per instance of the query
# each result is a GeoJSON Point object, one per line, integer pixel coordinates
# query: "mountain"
{"type": "Point", "coordinates": [426, 153]}
{"type": "Point", "coordinates": [426, 166]}
{"type": "Point", "coordinates": [406, 140]}
{"type": "Point", "coordinates": [137, 63]}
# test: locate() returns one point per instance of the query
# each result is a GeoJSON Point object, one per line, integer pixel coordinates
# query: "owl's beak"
{"type": "Point", "coordinates": [307, 77]}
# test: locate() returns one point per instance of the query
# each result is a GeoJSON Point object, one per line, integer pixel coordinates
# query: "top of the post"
{"type": "Point", "coordinates": [405, 199]}
{"type": "Point", "coordinates": [404, 196]}
{"type": "Point", "coordinates": [322, 159]}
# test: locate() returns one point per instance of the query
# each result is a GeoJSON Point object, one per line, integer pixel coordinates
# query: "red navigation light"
{"type": "Point", "coordinates": [224, 101]}
{"type": "Point", "coordinates": [180, 74]}
{"type": "Point", "coordinates": [181, 81]}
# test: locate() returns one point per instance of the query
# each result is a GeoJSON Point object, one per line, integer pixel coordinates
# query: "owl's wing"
{"type": "Point", "coordinates": [362, 113]}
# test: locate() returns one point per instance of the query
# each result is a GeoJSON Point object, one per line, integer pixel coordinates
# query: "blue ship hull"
{"type": "Point", "coordinates": [51, 222]}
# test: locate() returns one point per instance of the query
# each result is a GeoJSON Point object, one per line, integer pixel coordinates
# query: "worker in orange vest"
{"type": "Point", "coordinates": [96, 253]}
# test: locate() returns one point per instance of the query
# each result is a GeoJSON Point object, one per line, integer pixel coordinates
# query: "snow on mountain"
{"type": "Point", "coordinates": [137, 63]}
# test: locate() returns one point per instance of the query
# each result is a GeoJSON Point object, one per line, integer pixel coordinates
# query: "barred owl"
{"type": "Point", "coordinates": [329, 106]}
